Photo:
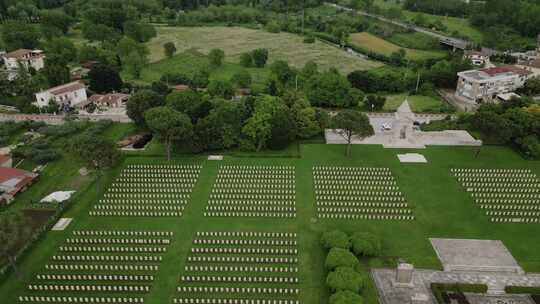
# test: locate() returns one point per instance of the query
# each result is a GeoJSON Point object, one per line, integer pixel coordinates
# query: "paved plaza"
{"type": "Point", "coordinates": [481, 255]}
{"type": "Point", "coordinates": [490, 263]}
{"type": "Point", "coordinates": [404, 134]}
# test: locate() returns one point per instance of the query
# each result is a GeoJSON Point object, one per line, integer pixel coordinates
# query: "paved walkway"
{"type": "Point", "coordinates": [422, 279]}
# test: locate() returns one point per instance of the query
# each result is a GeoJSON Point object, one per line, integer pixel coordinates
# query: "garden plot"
{"type": "Point", "coordinates": [149, 190]}
{"type": "Point", "coordinates": [253, 191]}
{"type": "Point", "coordinates": [101, 266]}
{"type": "Point", "coordinates": [359, 193]}
{"type": "Point", "coordinates": [506, 195]}
{"type": "Point", "coordinates": [241, 268]}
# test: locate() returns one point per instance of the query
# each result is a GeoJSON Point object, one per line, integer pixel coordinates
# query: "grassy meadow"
{"type": "Point", "coordinates": [441, 206]}
{"type": "Point", "coordinates": [237, 40]}
{"type": "Point", "coordinates": [378, 45]}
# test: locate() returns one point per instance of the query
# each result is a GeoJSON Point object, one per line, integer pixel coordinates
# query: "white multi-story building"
{"type": "Point", "coordinates": [69, 94]}
{"type": "Point", "coordinates": [478, 58]}
{"type": "Point", "coordinates": [29, 58]}
{"type": "Point", "coordinates": [485, 84]}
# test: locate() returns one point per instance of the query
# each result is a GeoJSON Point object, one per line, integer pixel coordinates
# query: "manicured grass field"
{"type": "Point", "coordinates": [441, 206]}
{"type": "Point", "coordinates": [237, 40]}
{"type": "Point", "coordinates": [418, 103]}
{"type": "Point", "coordinates": [379, 45]}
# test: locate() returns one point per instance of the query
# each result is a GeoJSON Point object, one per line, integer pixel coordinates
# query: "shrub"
{"type": "Point", "coordinates": [345, 278]}
{"type": "Point", "coordinates": [246, 60]}
{"type": "Point", "coordinates": [335, 239]}
{"type": "Point", "coordinates": [338, 257]}
{"type": "Point", "coordinates": [272, 27]}
{"type": "Point", "coordinates": [346, 297]}
{"type": "Point", "coordinates": [366, 244]}
{"type": "Point", "coordinates": [309, 39]}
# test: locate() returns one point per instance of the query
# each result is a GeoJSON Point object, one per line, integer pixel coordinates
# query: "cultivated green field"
{"type": "Point", "coordinates": [378, 45]}
{"type": "Point", "coordinates": [237, 40]}
{"type": "Point", "coordinates": [441, 206]}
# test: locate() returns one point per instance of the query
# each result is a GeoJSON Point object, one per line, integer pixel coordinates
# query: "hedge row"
{"type": "Point", "coordinates": [522, 290]}
{"type": "Point", "coordinates": [439, 290]}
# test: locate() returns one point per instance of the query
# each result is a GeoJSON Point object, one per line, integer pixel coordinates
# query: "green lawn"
{"type": "Point", "coordinates": [418, 103]}
{"type": "Point", "coordinates": [441, 206]}
{"type": "Point", "coordinates": [378, 45]}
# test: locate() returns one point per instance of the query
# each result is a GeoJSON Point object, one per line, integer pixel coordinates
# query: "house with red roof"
{"type": "Point", "coordinates": [484, 85]}
{"type": "Point", "coordinates": [14, 181]}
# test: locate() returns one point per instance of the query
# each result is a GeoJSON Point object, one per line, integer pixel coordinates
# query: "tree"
{"type": "Point", "coordinates": [398, 57]}
{"type": "Point", "coordinates": [366, 244]}
{"type": "Point", "coordinates": [200, 79]}
{"type": "Point", "coordinates": [20, 35]}
{"type": "Point", "coordinates": [98, 153]}
{"type": "Point", "coordinates": [335, 239]}
{"type": "Point", "coordinates": [349, 123]}
{"type": "Point", "coordinates": [329, 89]}
{"type": "Point", "coordinates": [56, 73]}
{"type": "Point", "coordinates": [246, 60]}
{"type": "Point", "coordinates": [104, 79]}
{"type": "Point", "coordinates": [14, 231]}
{"type": "Point", "coordinates": [61, 50]}
{"type": "Point", "coordinates": [221, 128]}
{"type": "Point", "coordinates": [259, 56]}
{"type": "Point", "coordinates": [56, 20]}
{"type": "Point", "coordinates": [139, 31]}
{"type": "Point", "coordinates": [216, 57]}
{"type": "Point", "coordinates": [282, 71]}
{"type": "Point", "coordinates": [346, 297]}
{"type": "Point", "coordinates": [169, 49]}
{"type": "Point", "coordinates": [258, 128]}
{"type": "Point", "coordinates": [140, 102]}
{"type": "Point", "coordinates": [194, 104]}
{"type": "Point", "coordinates": [220, 88]}
{"type": "Point", "coordinates": [338, 257]}
{"type": "Point", "coordinates": [169, 126]}
{"type": "Point", "coordinates": [374, 102]}
{"type": "Point", "coordinates": [345, 278]}
{"type": "Point", "coordinates": [242, 79]}
{"type": "Point", "coordinates": [283, 129]}
{"type": "Point", "coordinates": [134, 64]}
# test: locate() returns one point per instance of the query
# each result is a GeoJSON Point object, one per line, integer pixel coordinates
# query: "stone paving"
{"type": "Point", "coordinates": [470, 255]}
{"type": "Point", "coordinates": [485, 262]}
{"type": "Point", "coordinates": [422, 279]}
{"type": "Point", "coordinates": [404, 134]}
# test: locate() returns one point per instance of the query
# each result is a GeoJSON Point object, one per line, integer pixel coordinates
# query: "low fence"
{"type": "Point", "coordinates": [60, 119]}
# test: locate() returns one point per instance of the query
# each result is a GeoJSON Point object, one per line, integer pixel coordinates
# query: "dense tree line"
{"type": "Point", "coordinates": [516, 123]}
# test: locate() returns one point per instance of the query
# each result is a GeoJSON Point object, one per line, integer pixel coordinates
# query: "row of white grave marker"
{"type": "Point", "coordinates": [358, 193]}
{"type": "Point", "coordinates": [149, 191]}
{"type": "Point", "coordinates": [85, 300]}
{"type": "Point", "coordinates": [253, 191]}
{"type": "Point", "coordinates": [513, 191]}
{"type": "Point", "coordinates": [101, 267]}
{"type": "Point", "coordinates": [233, 301]}
{"type": "Point", "coordinates": [82, 288]}
{"type": "Point", "coordinates": [107, 258]}
{"type": "Point", "coordinates": [246, 255]}
{"type": "Point", "coordinates": [86, 272]}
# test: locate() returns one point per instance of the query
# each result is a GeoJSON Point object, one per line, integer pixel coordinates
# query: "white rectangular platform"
{"type": "Point", "coordinates": [412, 158]}
{"type": "Point", "coordinates": [62, 224]}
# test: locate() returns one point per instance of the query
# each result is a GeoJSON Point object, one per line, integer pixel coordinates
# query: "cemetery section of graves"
{"type": "Point", "coordinates": [249, 228]}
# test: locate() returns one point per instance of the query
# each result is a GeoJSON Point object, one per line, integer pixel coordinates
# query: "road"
{"type": "Point", "coordinates": [455, 42]}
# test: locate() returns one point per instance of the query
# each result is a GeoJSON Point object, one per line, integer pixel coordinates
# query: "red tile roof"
{"type": "Point", "coordinates": [20, 53]}
{"type": "Point", "coordinates": [23, 178]}
{"type": "Point", "coordinates": [4, 158]}
{"type": "Point", "coordinates": [505, 69]}
{"type": "Point", "coordinates": [66, 88]}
